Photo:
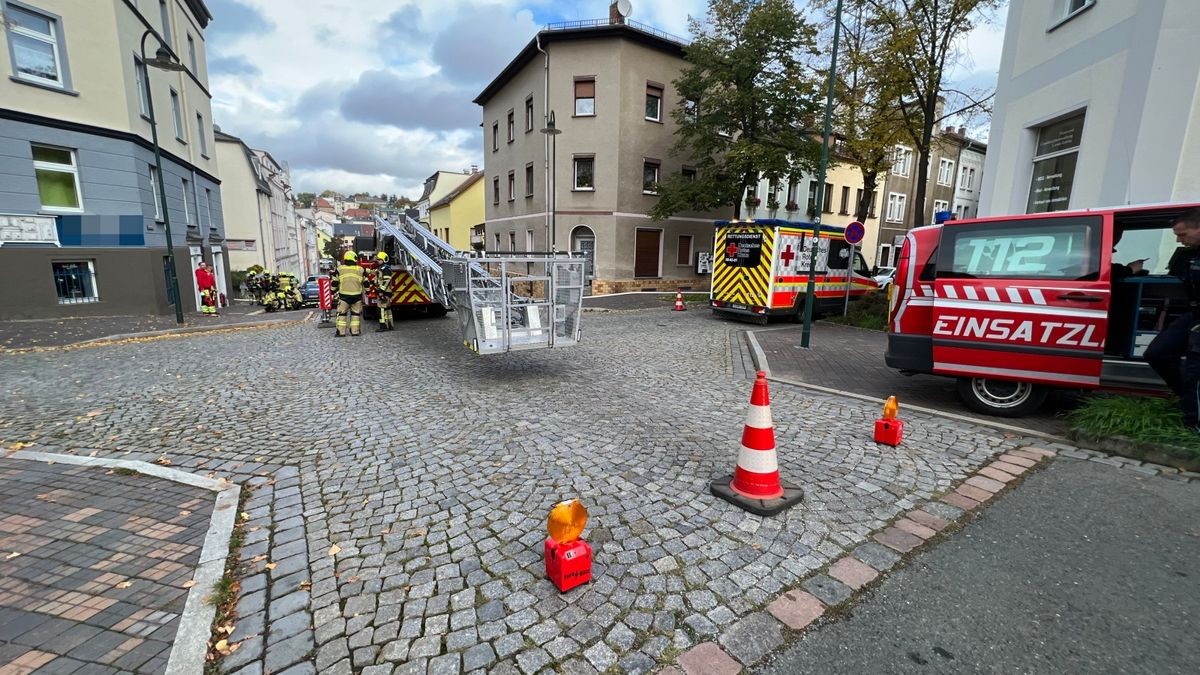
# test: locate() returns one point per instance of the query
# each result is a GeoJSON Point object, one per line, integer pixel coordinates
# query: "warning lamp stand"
{"type": "Point", "coordinates": [568, 557]}
{"type": "Point", "coordinates": [325, 300]}
{"type": "Point", "coordinates": [889, 429]}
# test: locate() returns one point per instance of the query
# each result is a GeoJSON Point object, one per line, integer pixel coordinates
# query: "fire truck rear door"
{"type": "Point", "coordinates": [1022, 300]}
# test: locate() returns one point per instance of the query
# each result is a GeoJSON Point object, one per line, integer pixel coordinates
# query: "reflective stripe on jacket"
{"type": "Point", "coordinates": [350, 280]}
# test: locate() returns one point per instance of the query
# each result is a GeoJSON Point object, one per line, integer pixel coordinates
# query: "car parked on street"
{"type": "Point", "coordinates": [883, 276]}
{"type": "Point", "coordinates": [309, 292]}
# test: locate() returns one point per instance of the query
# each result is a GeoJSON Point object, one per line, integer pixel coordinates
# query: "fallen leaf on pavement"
{"type": "Point", "coordinates": [222, 646]}
{"type": "Point", "coordinates": [162, 461]}
{"type": "Point", "coordinates": [306, 585]}
{"type": "Point", "coordinates": [335, 549]}
{"type": "Point", "coordinates": [12, 555]}
{"type": "Point", "coordinates": [125, 584]}
{"type": "Point", "coordinates": [272, 566]}
{"type": "Point", "coordinates": [189, 583]}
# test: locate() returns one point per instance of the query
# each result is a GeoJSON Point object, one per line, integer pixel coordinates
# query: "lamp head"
{"type": "Point", "coordinates": [164, 60]}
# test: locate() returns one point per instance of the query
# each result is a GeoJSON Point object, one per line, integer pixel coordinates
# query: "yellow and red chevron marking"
{"type": "Point", "coordinates": [405, 290]}
{"type": "Point", "coordinates": [743, 285]}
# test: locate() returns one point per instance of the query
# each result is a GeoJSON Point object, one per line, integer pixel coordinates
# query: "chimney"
{"type": "Point", "coordinates": [613, 15]}
{"type": "Point", "coordinates": [474, 168]}
{"type": "Point", "coordinates": [962, 131]}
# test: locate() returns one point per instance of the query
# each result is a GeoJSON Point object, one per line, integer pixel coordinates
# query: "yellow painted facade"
{"type": "Point", "coordinates": [453, 217]}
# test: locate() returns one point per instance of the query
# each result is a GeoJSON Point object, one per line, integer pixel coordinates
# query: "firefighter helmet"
{"type": "Point", "coordinates": [350, 257]}
{"type": "Point", "coordinates": [381, 256]}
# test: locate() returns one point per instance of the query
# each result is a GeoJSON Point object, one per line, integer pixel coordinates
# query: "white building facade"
{"type": "Point", "coordinates": [282, 223]}
{"type": "Point", "coordinates": [1097, 104]}
{"type": "Point", "coordinates": [971, 158]}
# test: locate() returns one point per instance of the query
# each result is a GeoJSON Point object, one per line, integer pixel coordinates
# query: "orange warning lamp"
{"type": "Point", "coordinates": [567, 520]}
{"type": "Point", "coordinates": [568, 558]}
{"type": "Point", "coordinates": [889, 429]}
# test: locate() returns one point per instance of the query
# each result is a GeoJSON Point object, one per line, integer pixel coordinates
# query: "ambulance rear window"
{"type": "Point", "coordinates": [1059, 248]}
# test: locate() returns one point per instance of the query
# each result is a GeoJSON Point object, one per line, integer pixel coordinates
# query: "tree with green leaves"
{"type": "Point", "coordinates": [305, 199]}
{"type": "Point", "coordinates": [748, 106]}
{"type": "Point", "coordinates": [332, 248]}
{"type": "Point", "coordinates": [915, 43]}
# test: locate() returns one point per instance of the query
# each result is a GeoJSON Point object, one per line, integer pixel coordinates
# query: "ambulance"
{"type": "Point", "coordinates": [1014, 306]}
{"type": "Point", "coordinates": [760, 269]}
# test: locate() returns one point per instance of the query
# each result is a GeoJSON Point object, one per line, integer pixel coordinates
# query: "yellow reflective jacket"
{"type": "Point", "coordinates": [350, 280]}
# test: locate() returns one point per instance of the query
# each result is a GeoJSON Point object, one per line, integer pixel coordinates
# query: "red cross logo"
{"type": "Point", "coordinates": [787, 255]}
{"type": "Point", "coordinates": [731, 250]}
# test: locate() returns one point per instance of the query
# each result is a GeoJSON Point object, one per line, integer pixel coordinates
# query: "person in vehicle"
{"type": "Point", "coordinates": [1182, 338]}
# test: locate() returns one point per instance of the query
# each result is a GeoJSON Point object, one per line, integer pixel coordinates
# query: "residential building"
{"type": "Point", "coordinates": [82, 230]}
{"type": "Point", "coordinates": [281, 217]}
{"type": "Point", "coordinates": [608, 84]}
{"type": "Point", "coordinates": [971, 156]}
{"type": "Point", "coordinates": [322, 205]}
{"type": "Point", "coordinates": [440, 184]}
{"type": "Point", "coordinates": [453, 218]}
{"type": "Point", "coordinates": [245, 204]}
{"type": "Point", "coordinates": [1096, 105]}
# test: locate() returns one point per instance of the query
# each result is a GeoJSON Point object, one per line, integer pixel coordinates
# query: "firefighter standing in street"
{"type": "Point", "coordinates": [350, 290]}
{"type": "Point", "coordinates": [383, 283]}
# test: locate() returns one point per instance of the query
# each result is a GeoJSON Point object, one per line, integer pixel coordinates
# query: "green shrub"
{"type": "Point", "coordinates": [1146, 419]}
{"type": "Point", "coordinates": [868, 312]}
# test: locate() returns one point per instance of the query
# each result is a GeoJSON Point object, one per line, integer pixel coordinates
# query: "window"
{"type": "Point", "coordinates": [1067, 248]}
{"type": "Point", "coordinates": [1069, 8]}
{"type": "Point", "coordinates": [650, 177]}
{"type": "Point", "coordinates": [845, 208]}
{"type": "Point", "coordinates": [512, 185]}
{"type": "Point", "coordinates": [683, 254]}
{"type": "Point", "coordinates": [971, 180]}
{"type": "Point", "coordinates": [529, 113]}
{"type": "Point", "coordinates": [528, 240]}
{"type": "Point", "coordinates": [36, 47]}
{"type": "Point", "coordinates": [858, 195]}
{"type": "Point", "coordinates": [871, 197]}
{"type": "Point", "coordinates": [187, 212]}
{"type": "Point", "coordinates": [584, 173]}
{"type": "Point", "coordinates": [75, 282]}
{"type": "Point", "coordinates": [688, 173]}
{"type": "Point", "coordinates": [512, 126]}
{"type": "Point", "coordinates": [192, 55]}
{"type": "Point", "coordinates": [792, 195]}
{"type": "Point", "coordinates": [690, 110]}
{"type": "Point", "coordinates": [962, 179]}
{"type": "Point", "coordinates": [57, 178]}
{"type": "Point", "coordinates": [512, 241]}
{"type": "Point", "coordinates": [940, 205]}
{"type": "Point", "coordinates": [139, 76]}
{"type": "Point", "coordinates": [811, 209]}
{"type": "Point", "coordinates": [654, 97]}
{"type": "Point", "coordinates": [901, 161]}
{"type": "Point", "coordinates": [208, 207]}
{"type": "Point", "coordinates": [827, 198]}
{"type": "Point", "coordinates": [585, 97]}
{"type": "Point", "coordinates": [496, 190]}
{"type": "Point", "coordinates": [946, 172]}
{"type": "Point", "coordinates": [201, 135]}
{"type": "Point", "coordinates": [895, 207]}
{"type": "Point", "coordinates": [495, 136]}
{"type": "Point", "coordinates": [158, 205]}
{"type": "Point", "coordinates": [496, 241]}
{"type": "Point", "coordinates": [177, 113]}
{"type": "Point", "coordinates": [165, 13]}
{"type": "Point", "coordinates": [1054, 165]}
{"type": "Point", "coordinates": [529, 179]}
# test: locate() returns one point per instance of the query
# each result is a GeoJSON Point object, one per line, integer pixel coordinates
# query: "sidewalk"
{"type": "Point", "coordinates": [26, 334]}
{"type": "Point", "coordinates": [95, 566]}
{"type": "Point", "coordinates": [851, 359]}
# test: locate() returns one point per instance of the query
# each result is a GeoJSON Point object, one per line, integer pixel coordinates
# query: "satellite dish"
{"type": "Point", "coordinates": [624, 8]}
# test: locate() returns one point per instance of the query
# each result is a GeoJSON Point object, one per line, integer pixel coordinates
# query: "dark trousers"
{"type": "Point", "coordinates": [1165, 354]}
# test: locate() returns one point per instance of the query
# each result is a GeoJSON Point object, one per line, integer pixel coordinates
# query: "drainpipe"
{"type": "Point", "coordinates": [546, 140]}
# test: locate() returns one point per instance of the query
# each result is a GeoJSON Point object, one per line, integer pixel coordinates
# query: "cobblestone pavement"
{"type": "Point", "coordinates": [401, 483]}
{"type": "Point", "coordinates": [851, 359]}
{"type": "Point", "coordinates": [58, 332]}
{"type": "Point", "coordinates": [637, 301]}
{"type": "Point", "coordinates": [93, 566]}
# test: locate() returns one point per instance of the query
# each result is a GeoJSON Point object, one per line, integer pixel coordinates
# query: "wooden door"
{"type": "Point", "coordinates": [647, 253]}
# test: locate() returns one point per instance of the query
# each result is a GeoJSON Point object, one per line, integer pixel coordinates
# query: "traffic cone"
{"type": "Point", "coordinates": [679, 301]}
{"type": "Point", "coordinates": [755, 484]}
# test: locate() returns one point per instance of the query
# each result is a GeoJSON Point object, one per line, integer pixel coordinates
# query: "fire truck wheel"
{"type": "Point", "coordinates": [435, 310]}
{"type": "Point", "coordinates": [1002, 398]}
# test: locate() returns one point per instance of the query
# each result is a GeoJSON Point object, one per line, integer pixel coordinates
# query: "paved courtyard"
{"type": "Point", "coordinates": [400, 484]}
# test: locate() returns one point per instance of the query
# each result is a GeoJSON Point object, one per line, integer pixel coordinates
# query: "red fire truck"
{"type": "Point", "coordinates": [1015, 306]}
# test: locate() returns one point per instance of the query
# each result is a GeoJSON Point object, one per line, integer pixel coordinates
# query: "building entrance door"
{"type": "Point", "coordinates": [647, 254]}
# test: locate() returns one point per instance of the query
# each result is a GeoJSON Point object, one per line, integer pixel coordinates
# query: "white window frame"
{"type": "Point", "coordinates": [657, 175]}
{"type": "Point", "coordinates": [512, 186]}
{"type": "Point", "coordinates": [512, 241]}
{"type": "Point", "coordinates": [575, 172]}
{"type": "Point", "coordinates": [971, 180]}
{"type": "Point", "coordinates": [529, 113]}
{"type": "Point", "coordinates": [54, 39]}
{"type": "Point", "coordinates": [946, 172]}
{"type": "Point", "coordinates": [164, 13]}
{"type": "Point", "coordinates": [187, 213]}
{"type": "Point", "coordinates": [208, 206]}
{"type": "Point", "coordinates": [884, 257]}
{"type": "Point", "coordinates": [201, 135]}
{"type": "Point", "coordinates": [962, 178]}
{"type": "Point", "coordinates": [158, 205]}
{"type": "Point", "coordinates": [945, 205]}
{"type": "Point", "coordinates": [91, 275]}
{"type": "Point", "coordinates": [191, 42]}
{"type": "Point", "coordinates": [528, 241]}
{"type": "Point", "coordinates": [177, 115]}
{"type": "Point", "coordinates": [141, 77]}
{"type": "Point", "coordinates": [512, 125]}
{"type": "Point", "coordinates": [72, 169]}
{"type": "Point", "coordinates": [897, 201]}
{"type": "Point", "coordinates": [902, 161]}
{"type": "Point", "coordinates": [657, 117]}
{"type": "Point", "coordinates": [496, 240]}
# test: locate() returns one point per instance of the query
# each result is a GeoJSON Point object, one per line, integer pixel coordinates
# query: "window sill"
{"type": "Point", "coordinates": [529, 196]}
{"type": "Point", "coordinates": [656, 121]}
{"type": "Point", "coordinates": [1055, 26]}
{"type": "Point", "coordinates": [587, 115]}
{"type": "Point", "coordinates": [60, 211]}
{"type": "Point", "coordinates": [181, 141]}
{"type": "Point", "coordinates": [205, 156]}
{"type": "Point", "coordinates": [510, 141]}
{"type": "Point", "coordinates": [48, 87]}
{"type": "Point", "coordinates": [580, 189]}
{"type": "Point", "coordinates": [650, 193]}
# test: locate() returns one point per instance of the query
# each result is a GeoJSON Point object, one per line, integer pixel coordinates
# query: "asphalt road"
{"type": "Point", "coordinates": [1083, 569]}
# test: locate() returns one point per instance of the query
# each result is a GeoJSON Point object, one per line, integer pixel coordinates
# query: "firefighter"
{"type": "Point", "coordinates": [350, 290]}
{"type": "Point", "coordinates": [383, 281]}
{"type": "Point", "coordinates": [1182, 338]}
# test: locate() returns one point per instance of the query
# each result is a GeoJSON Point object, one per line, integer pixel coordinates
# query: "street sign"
{"type": "Point", "coordinates": [855, 232]}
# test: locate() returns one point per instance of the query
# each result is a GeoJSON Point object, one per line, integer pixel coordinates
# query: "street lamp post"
{"type": "Point", "coordinates": [552, 198]}
{"type": "Point", "coordinates": [806, 334]}
{"type": "Point", "coordinates": [163, 60]}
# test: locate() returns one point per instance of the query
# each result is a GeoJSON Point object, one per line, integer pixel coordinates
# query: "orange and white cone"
{"type": "Point", "coordinates": [755, 484]}
{"type": "Point", "coordinates": [679, 301]}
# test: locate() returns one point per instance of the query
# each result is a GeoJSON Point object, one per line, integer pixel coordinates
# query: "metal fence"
{"type": "Point", "coordinates": [594, 23]}
{"type": "Point", "coordinates": [75, 283]}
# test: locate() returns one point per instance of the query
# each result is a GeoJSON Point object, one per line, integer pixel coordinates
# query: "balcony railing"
{"type": "Point", "coordinates": [595, 23]}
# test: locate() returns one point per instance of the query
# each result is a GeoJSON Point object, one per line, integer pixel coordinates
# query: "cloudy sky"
{"type": "Point", "coordinates": [375, 95]}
